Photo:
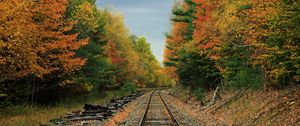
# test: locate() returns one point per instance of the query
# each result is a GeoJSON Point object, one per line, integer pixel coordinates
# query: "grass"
{"type": "Point", "coordinates": [34, 116]}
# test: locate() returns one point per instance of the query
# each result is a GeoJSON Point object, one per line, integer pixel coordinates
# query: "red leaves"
{"type": "Point", "coordinates": [201, 32]}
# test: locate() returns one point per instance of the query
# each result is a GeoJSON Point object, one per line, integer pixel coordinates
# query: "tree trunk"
{"type": "Point", "coordinates": [27, 81]}
{"type": "Point", "coordinates": [32, 92]}
{"type": "Point", "coordinates": [265, 79]}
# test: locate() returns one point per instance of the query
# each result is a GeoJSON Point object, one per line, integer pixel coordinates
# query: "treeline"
{"type": "Point", "coordinates": [52, 49]}
{"type": "Point", "coordinates": [234, 44]}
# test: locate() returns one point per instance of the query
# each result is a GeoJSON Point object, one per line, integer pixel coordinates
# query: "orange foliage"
{"type": "Point", "coordinates": [174, 41]}
{"type": "Point", "coordinates": [177, 37]}
{"type": "Point", "coordinates": [33, 39]}
{"type": "Point", "coordinates": [257, 18]}
{"type": "Point", "coordinates": [204, 34]}
{"type": "Point", "coordinates": [53, 29]}
{"type": "Point", "coordinates": [171, 72]}
{"type": "Point", "coordinates": [113, 53]}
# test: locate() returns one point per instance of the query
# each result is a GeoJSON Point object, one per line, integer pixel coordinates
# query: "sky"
{"type": "Point", "coordinates": [144, 18]}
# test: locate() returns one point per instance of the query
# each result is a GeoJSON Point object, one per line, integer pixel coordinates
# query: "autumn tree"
{"type": "Point", "coordinates": [176, 38]}
{"type": "Point", "coordinates": [181, 51]}
{"type": "Point", "coordinates": [120, 49]}
{"type": "Point", "coordinates": [52, 49]}
{"type": "Point", "coordinates": [35, 44]}
{"type": "Point", "coordinates": [148, 67]}
{"type": "Point", "coordinates": [97, 73]}
{"type": "Point", "coordinates": [246, 39]}
{"type": "Point", "coordinates": [283, 44]}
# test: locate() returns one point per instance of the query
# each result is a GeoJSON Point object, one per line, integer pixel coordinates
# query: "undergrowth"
{"type": "Point", "coordinates": [24, 115]}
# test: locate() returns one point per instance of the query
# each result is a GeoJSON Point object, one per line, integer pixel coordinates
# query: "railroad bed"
{"type": "Point", "coordinates": [157, 113]}
{"type": "Point", "coordinates": [155, 109]}
{"type": "Point", "coordinates": [151, 109]}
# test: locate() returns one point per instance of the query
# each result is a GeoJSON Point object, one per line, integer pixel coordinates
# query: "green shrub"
{"type": "Point", "coordinates": [199, 93]}
{"type": "Point", "coordinates": [16, 109]}
{"type": "Point", "coordinates": [195, 69]}
{"type": "Point", "coordinates": [246, 76]}
{"type": "Point", "coordinates": [245, 7]}
{"type": "Point", "coordinates": [4, 100]}
{"type": "Point", "coordinates": [128, 87]}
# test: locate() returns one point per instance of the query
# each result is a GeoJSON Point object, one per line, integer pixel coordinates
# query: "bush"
{"type": "Point", "coordinates": [4, 100]}
{"type": "Point", "coordinates": [247, 76]}
{"type": "Point", "coordinates": [197, 70]}
{"type": "Point", "coordinates": [128, 87]}
{"type": "Point", "coordinates": [199, 93]}
{"type": "Point", "coordinates": [245, 7]}
{"type": "Point", "coordinates": [15, 110]}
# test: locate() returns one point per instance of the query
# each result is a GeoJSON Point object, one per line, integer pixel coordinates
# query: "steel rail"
{"type": "Point", "coordinates": [146, 111]}
{"type": "Point", "coordinates": [174, 119]}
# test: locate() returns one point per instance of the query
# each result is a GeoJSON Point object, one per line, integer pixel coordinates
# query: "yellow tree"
{"type": "Point", "coordinates": [120, 48]}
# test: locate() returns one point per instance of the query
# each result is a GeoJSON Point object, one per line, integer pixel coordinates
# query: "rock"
{"type": "Point", "coordinates": [107, 114]}
{"type": "Point", "coordinates": [291, 103]}
{"type": "Point", "coordinates": [119, 105]}
{"type": "Point", "coordinates": [68, 115]}
{"type": "Point", "coordinates": [60, 123]}
{"type": "Point", "coordinates": [84, 123]}
{"type": "Point", "coordinates": [112, 104]}
{"type": "Point", "coordinates": [86, 118]}
{"type": "Point", "coordinates": [96, 112]}
{"type": "Point", "coordinates": [90, 114]}
{"type": "Point", "coordinates": [112, 107]}
{"type": "Point", "coordinates": [88, 107]}
{"type": "Point", "coordinates": [77, 112]}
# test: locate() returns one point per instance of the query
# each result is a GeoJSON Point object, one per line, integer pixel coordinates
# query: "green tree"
{"type": "Point", "coordinates": [98, 73]}
{"type": "Point", "coordinates": [197, 70]}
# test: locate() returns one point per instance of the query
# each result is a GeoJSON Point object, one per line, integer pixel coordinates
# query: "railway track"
{"type": "Point", "coordinates": [157, 112]}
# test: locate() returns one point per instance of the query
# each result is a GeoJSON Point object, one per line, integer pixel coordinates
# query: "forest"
{"type": "Point", "coordinates": [234, 44]}
{"type": "Point", "coordinates": [53, 49]}
{"type": "Point", "coordinates": [240, 60]}
{"type": "Point", "coordinates": [56, 55]}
